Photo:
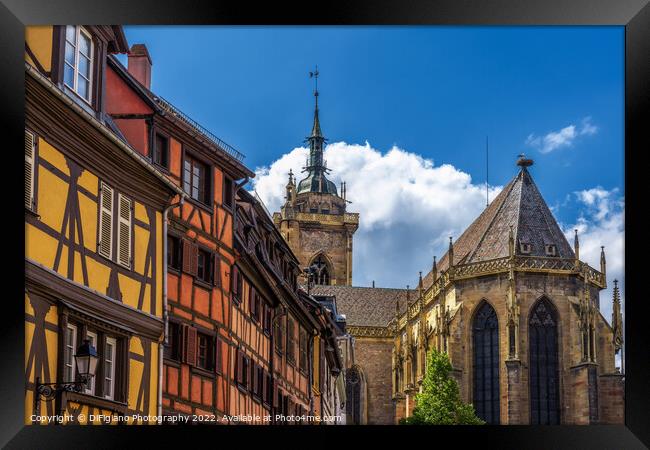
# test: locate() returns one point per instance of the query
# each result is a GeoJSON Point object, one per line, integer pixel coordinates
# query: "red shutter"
{"type": "Point", "coordinates": [195, 259]}
{"type": "Point", "coordinates": [275, 393]}
{"type": "Point", "coordinates": [190, 345]}
{"type": "Point", "coordinates": [216, 279]}
{"type": "Point", "coordinates": [240, 366]}
{"type": "Point", "coordinates": [249, 374]}
{"type": "Point", "coordinates": [187, 255]}
{"type": "Point", "coordinates": [217, 355]}
{"type": "Point", "coordinates": [190, 257]}
{"type": "Point", "coordinates": [251, 301]}
{"type": "Point", "coordinates": [234, 274]}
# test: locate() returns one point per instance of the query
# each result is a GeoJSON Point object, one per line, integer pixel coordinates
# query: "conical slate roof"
{"type": "Point", "coordinates": [520, 205]}
{"type": "Point", "coordinates": [315, 129]}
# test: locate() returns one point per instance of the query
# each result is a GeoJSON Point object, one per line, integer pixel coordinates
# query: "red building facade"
{"type": "Point", "coordinates": [239, 340]}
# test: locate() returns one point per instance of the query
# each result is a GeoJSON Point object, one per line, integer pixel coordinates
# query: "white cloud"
{"type": "Point", "coordinates": [409, 207]}
{"type": "Point", "coordinates": [404, 201]}
{"type": "Point", "coordinates": [602, 223]}
{"type": "Point", "coordinates": [564, 137]}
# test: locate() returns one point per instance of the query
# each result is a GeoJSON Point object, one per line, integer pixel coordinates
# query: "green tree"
{"type": "Point", "coordinates": [439, 403]}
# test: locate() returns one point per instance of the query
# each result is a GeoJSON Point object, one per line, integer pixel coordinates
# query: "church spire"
{"type": "Point", "coordinates": [316, 168]}
{"type": "Point", "coordinates": [315, 130]}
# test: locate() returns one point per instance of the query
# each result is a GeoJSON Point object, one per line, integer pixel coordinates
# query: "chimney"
{"type": "Point", "coordinates": [140, 64]}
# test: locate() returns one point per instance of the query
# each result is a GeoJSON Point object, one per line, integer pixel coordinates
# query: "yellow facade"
{"type": "Point", "coordinates": [62, 233]}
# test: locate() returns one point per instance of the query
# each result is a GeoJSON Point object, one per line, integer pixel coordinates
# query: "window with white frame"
{"type": "Point", "coordinates": [92, 338]}
{"type": "Point", "coordinates": [69, 352]}
{"type": "Point", "coordinates": [109, 368]}
{"type": "Point", "coordinates": [109, 205]}
{"type": "Point", "coordinates": [77, 68]}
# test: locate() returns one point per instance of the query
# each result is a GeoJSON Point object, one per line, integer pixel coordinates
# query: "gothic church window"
{"type": "Point", "coordinates": [354, 395]}
{"type": "Point", "coordinates": [486, 364]}
{"type": "Point", "coordinates": [320, 271]}
{"type": "Point", "coordinates": [544, 377]}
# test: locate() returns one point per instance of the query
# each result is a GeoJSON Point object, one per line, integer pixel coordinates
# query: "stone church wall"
{"type": "Point", "coordinates": [374, 356]}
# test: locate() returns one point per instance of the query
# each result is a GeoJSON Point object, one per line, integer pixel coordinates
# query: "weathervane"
{"type": "Point", "coordinates": [314, 75]}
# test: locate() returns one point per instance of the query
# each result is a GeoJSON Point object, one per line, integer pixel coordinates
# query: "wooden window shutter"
{"type": "Point", "coordinates": [195, 259]}
{"type": "Point", "coordinates": [275, 393]}
{"type": "Point", "coordinates": [106, 221]}
{"type": "Point", "coordinates": [190, 345]}
{"type": "Point", "coordinates": [233, 278]}
{"type": "Point", "coordinates": [187, 255]}
{"type": "Point", "coordinates": [216, 278]}
{"type": "Point", "coordinates": [125, 224]}
{"type": "Point", "coordinates": [254, 379]}
{"type": "Point", "coordinates": [249, 373]}
{"type": "Point", "coordinates": [240, 366]}
{"type": "Point", "coordinates": [251, 301]}
{"type": "Point", "coordinates": [190, 257]}
{"type": "Point", "coordinates": [30, 144]}
{"type": "Point", "coordinates": [217, 354]}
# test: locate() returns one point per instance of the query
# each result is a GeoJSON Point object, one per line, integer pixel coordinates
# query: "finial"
{"type": "Point", "coordinates": [408, 295]}
{"type": "Point", "coordinates": [314, 75]}
{"type": "Point", "coordinates": [397, 308]}
{"type": "Point", "coordinates": [451, 252]}
{"type": "Point", "coordinates": [290, 176]}
{"type": "Point", "coordinates": [373, 283]}
{"type": "Point", "coordinates": [576, 244]}
{"type": "Point", "coordinates": [523, 161]}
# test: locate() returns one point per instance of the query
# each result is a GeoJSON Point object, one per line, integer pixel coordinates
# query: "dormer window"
{"type": "Point", "coordinates": [525, 248]}
{"type": "Point", "coordinates": [77, 70]}
{"type": "Point", "coordinates": [551, 250]}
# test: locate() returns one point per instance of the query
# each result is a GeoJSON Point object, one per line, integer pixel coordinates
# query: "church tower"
{"type": "Point", "coordinates": [313, 219]}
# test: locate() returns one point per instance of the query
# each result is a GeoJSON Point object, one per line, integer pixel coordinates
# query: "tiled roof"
{"type": "Point", "coordinates": [519, 205]}
{"type": "Point", "coordinates": [365, 306]}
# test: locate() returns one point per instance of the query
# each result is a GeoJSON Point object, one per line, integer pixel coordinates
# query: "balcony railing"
{"type": "Point", "coordinates": [221, 145]}
{"type": "Point", "coordinates": [352, 218]}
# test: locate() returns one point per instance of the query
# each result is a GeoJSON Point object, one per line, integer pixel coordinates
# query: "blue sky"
{"type": "Point", "coordinates": [555, 93]}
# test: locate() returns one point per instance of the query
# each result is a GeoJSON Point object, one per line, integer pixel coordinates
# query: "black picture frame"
{"type": "Point", "coordinates": [634, 15]}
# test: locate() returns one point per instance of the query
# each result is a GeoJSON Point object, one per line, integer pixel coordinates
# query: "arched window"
{"type": "Point", "coordinates": [544, 377]}
{"type": "Point", "coordinates": [486, 364]}
{"type": "Point", "coordinates": [354, 393]}
{"type": "Point", "coordinates": [320, 271]}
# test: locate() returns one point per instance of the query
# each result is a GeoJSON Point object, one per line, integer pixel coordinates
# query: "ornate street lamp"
{"type": "Point", "coordinates": [86, 363]}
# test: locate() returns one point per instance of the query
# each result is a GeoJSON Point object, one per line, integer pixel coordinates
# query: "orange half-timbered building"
{"type": "Point", "coordinates": [206, 336]}
{"type": "Point", "coordinates": [270, 291]}
{"type": "Point", "coordinates": [94, 241]}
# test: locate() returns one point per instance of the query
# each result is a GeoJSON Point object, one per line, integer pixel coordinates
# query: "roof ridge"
{"type": "Point", "coordinates": [543, 208]}
{"type": "Point", "coordinates": [496, 214]}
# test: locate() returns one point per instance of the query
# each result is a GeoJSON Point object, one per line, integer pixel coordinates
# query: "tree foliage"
{"type": "Point", "coordinates": [439, 403]}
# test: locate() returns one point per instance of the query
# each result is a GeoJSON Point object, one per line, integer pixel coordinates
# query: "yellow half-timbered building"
{"type": "Point", "coordinates": [94, 235]}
